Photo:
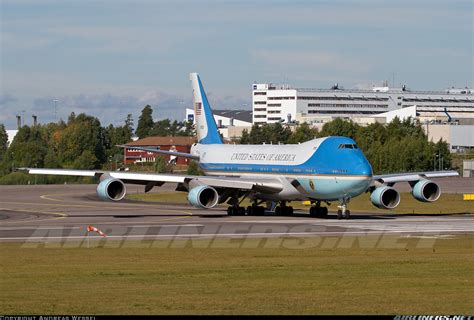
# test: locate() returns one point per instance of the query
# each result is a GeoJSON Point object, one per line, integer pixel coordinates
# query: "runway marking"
{"type": "Point", "coordinates": [123, 205]}
{"type": "Point", "coordinates": [94, 207]}
{"type": "Point", "coordinates": [342, 233]}
{"type": "Point", "coordinates": [167, 226]}
{"type": "Point", "coordinates": [39, 228]}
{"type": "Point", "coordinates": [61, 214]}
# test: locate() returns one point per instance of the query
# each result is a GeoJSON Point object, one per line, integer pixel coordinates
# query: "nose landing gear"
{"type": "Point", "coordinates": [343, 213]}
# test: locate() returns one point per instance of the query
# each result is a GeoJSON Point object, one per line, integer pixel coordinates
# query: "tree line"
{"type": "Point", "coordinates": [81, 142]}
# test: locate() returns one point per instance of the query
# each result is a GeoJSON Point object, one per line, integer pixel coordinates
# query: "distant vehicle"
{"type": "Point", "coordinates": [320, 170]}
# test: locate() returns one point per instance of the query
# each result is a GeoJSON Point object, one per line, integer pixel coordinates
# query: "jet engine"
{"type": "Point", "coordinates": [203, 196]}
{"type": "Point", "coordinates": [426, 191]}
{"type": "Point", "coordinates": [111, 189]}
{"type": "Point", "coordinates": [385, 197]}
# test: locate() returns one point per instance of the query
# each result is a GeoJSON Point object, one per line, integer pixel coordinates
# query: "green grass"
{"type": "Point", "coordinates": [193, 280]}
{"type": "Point", "coordinates": [447, 203]}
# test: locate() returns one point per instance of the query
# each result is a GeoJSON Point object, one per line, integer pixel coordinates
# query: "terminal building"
{"type": "Point", "coordinates": [272, 103]}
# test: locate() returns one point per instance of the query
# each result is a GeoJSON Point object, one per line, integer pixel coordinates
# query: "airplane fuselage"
{"type": "Point", "coordinates": [330, 168]}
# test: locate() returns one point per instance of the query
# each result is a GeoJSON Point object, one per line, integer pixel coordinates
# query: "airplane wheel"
{"type": "Point", "coordinates": [230, 211]}
{"type": "Point", "coordinates": [241, 211]}
{"type": "Point", "coordinates": [250, 211]}
{"type": "Point", "coordinates": [261, 210]}
{"type": "Point", "coordinates": [324, 212]}
{"type": "Point", "coordinates": [339, 214]}
{"type": "Point", "coordinates": [348, 214]}
{"type": "Point", "coordinates": [289, 211]}
{"type": "Point", "coordinates": [278, 211]}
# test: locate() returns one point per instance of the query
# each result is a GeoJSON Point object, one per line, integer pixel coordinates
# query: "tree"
{"type": "Point", "coordinates": [303, 133]}
{"type": "Point", "coordinates": [161, 128]}
{"type": "Point", "coordinates": [29, 147]}
{"type": "Point", "coordinates": [160, 165]}
{"type": "Point", "coordinates": [193, 169]}
{"type": "Point", "coordinates": [87, 160]}
{"type": "Point", "coordinates": [145, 123]}
{"type": "Point", "coordinates": [3, 141]}
{"type": "Point", "coordinates": [51, 160]}
{"type": "Point", "coordinates": [339, 127]}
{"type": "Point", "coordinates": [82, 133]}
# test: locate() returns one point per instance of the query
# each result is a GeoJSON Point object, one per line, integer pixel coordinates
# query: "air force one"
{"type": "Point", "coordinates": [321, 170]}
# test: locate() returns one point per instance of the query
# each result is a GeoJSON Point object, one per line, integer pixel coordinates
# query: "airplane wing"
{"type": "Point", "coordinates": [152, 179]}
{"type": "Point", "coordinates": [391, 179]}
{"type": "Point", "coordinates": [171, 153]}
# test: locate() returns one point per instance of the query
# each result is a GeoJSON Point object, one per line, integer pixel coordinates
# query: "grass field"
{"type": "Point", "coordinates": [190, 280]}
{"type": "Point", "coordinates": [447, 203]}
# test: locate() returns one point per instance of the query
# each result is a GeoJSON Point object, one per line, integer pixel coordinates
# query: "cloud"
{"type": "Point", "coordinates": [6, 99]}
{"type": "Point", "coordinates": [114, 109]}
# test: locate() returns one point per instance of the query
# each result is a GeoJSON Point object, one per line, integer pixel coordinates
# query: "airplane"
{"type": "Point", "coordinates": [321, 170]}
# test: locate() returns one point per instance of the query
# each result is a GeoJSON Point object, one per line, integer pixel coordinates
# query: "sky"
{"type": "Point", "coordinates": [109, 58]}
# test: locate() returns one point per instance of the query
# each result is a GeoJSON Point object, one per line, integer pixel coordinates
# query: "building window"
{"type": "Point", "coordinates": [281, 98]}
{"type": "Point", "coordinates": [259, 93]}
{"type": "Point", "coordinates": [274, 118]}
{"type": "Point", "coordinates": [260, 116]}
{"type": "Point", "coordinates": [274, 105]}
{"type": "Point", "coordinates": [260, 102]}
{"type": "Point", "coordinates": [260, 109]}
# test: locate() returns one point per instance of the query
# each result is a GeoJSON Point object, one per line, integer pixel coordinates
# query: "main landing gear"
{"type": "Point", "coordinates": [317, 211]}
{"type": "Point", "coordinates": [283, 209]}
{"type": "Point", "coordinates": [255, 209]}
{"type": "Point", "coordinates": [235, 209]}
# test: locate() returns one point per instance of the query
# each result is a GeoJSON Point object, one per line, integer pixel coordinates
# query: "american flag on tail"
{"type": "Point", "coordinates": [94, 229]}
{"type": "Point", "coordinates": [197, 108]}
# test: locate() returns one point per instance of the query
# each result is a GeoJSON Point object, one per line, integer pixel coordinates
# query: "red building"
{"type": "Point", "coordinates": [178, 144]}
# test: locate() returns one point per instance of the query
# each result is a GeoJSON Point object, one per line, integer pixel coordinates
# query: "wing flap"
{"type": "Point", "coordinates": [239, 183]}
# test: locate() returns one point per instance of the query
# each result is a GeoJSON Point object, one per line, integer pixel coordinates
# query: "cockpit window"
{"type": "Point", "coordinates": [348, 146]}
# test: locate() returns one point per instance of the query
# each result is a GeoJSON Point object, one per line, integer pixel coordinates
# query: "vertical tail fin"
{"type": "Point", "coordinates": [206, 127]}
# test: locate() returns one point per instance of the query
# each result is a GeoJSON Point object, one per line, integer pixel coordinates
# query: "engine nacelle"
{"type": "Point", "coordinates": [111, 189]}
{"type": "Point", "coordinates": [426, 191]}
{"type": "Point", "coordinates": [203, 196]}
{"type": "Point", "coordinates": [385, 197]}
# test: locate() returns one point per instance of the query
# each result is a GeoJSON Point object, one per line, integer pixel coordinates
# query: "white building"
{"type": "Point", "coordinates": [11, 135]}
{"type": "Point", "coordinates": [281, 103]}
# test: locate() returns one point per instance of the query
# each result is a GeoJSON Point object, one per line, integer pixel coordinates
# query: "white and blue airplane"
{"type": "Point", "coordinates": [321, 170]}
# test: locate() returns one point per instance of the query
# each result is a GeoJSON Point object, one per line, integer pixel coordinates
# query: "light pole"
{"type": "Point", "coordinates": [435, 156]}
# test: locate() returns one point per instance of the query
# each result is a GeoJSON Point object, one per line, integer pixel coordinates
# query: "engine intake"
{"type": "Point", "coordinates": [111, 190]}
{"type": "Point", "coordinates": [426, 191]}
{"type": "Point", "coordinates": [385, 197]}
{"type": "Point", "coordinates": [203, 196]}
